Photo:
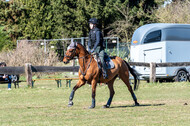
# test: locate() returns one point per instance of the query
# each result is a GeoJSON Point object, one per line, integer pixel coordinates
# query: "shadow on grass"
{"type": "Point", "coordinates": [141, 105]}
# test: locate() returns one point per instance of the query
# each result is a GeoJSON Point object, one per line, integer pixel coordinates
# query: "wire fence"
{"type": "Point", "coordinates": [113, 47]}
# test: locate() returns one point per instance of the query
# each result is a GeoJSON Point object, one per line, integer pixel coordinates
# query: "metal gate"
{"type": "Point", "coordinates": [60, 45]}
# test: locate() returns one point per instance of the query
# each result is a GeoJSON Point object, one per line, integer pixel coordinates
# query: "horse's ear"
{"type": "Point", "coordinates": [74, 43]}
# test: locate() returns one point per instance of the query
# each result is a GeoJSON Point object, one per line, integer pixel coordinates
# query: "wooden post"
{"type": "Point", "coordinates": [28, 73]}
{"type": "Point", "coordinates": [73, 66]}
{"type": "Point", "coordinates": [152, 72]}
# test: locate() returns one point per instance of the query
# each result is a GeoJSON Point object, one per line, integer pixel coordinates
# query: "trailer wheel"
{"type": "Point", "coordinates": [147, 81]}
{"type": "Point", "coordinates": [161, 81]}
{"type": "Point", "coordinates": [14, 78]}
{"type": "Point", "coordinates": [181, 76]}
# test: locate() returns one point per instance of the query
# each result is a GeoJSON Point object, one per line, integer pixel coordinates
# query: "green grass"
{"type": "Point", "coordinates": [161, 105]}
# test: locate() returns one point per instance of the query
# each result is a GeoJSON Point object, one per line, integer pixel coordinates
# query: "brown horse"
{"type": "Point", "coordinates": [89, 72]}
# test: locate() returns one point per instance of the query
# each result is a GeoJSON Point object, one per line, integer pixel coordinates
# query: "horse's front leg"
{"type": "Point", "coordinates": [78, 85]}
{"type": "Point", "coordinates": [93, 94]}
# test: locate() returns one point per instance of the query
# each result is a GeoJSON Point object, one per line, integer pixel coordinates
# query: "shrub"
{"type": "Point", "coordinates": [123, 53]}
{"type": "Point", "coordinates": [28, 53]}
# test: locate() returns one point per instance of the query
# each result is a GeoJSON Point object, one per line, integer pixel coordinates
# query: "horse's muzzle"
{"type": "Point", "coordinates": [66, 62]}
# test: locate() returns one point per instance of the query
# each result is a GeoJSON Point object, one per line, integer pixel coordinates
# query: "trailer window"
{"type": "Point", "coordinates": [154, 36]}
{"type": "Point", "coordinates": [177, 34]}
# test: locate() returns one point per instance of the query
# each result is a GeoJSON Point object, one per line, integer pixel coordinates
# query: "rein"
{"type": "Point", "coordinates": [83, 57]}
{"type": "Point", "coordinates": [84, 73]}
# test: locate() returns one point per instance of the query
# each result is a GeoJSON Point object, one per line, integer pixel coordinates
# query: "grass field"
{"type": "Point", "coordinates": [165, 104]}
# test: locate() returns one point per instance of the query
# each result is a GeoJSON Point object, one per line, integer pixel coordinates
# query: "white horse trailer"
{"type": "Point", "coordinates": [162, 43]}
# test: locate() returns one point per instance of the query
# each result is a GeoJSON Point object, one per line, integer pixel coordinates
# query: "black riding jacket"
{"type": "Point", "coordinates": [95, 39]}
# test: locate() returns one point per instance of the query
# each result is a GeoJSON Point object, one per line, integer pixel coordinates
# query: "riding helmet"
{"type": "Point", "coordinates": [93, 21]}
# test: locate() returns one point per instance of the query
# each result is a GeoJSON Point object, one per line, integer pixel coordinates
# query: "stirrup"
{"type": "Point", "coordinates": [105, 76]}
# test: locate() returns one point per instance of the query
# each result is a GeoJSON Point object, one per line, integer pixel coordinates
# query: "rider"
{"type": "Point", "coordinates": [96, 42]}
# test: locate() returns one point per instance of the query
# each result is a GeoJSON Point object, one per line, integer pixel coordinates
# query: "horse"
{"type": "Point", "coordinates": [89, 72]}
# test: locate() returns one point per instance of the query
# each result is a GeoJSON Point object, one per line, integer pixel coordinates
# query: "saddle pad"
{"type": "Point", "coordinates": [109, 63]}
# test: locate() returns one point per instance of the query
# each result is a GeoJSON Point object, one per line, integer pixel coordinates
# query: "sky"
{"type": "Point", "coordinates": [167, 2]}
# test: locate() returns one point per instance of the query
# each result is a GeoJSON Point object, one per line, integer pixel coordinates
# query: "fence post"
{"type": "Point", "coordinates": [45, 50]}
{"type": "Point", "coordinates": [117, 46]}
{"type": "Point", "coordinates": [152, 72]}
{"type": "Point", "coordinates": [106, 45]}
{"type": "Point", "coordinates": [45, 46]}
{"type": "Point", "coordinates": [82, 41]}
{"type": "Point", "coordinates": [73, 66]}
{"type": "Point", "coordinates": [28, 73]}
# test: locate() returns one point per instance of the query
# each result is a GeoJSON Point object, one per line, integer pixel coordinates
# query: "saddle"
{"type": "Point", "coordinates": [108, 62]}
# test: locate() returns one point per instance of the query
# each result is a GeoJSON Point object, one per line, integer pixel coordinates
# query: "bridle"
{"type": "Point", "coordinates": [83, 57]}
{"type": "Point", "coordinates": [72, 55]}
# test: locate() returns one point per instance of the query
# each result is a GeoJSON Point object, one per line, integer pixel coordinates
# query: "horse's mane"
{"type": "Point", "coordinates": [83, 47]}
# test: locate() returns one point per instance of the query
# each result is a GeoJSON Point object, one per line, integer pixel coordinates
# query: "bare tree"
{"type": "Point", "coordinates": [175, 12]}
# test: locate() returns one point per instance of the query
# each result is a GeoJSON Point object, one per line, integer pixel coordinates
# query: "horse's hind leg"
{"type": "Point", "coordinates": [112, 92]}
{"type": "Point", "coordinates": [125, 78]}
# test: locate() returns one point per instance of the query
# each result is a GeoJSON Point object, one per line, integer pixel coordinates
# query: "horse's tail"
{"type": "Point", "coordinates": [135, 75]}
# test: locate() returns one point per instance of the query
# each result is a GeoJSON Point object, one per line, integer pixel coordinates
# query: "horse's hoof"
{"type": "Point", "coordinates": [105, 106]}
{"type": "Point", "coordinates": [137, 104]}
{"type": "Point", "coordinates": [70, 104]}
{"type": "Point", "coordinates": [91, 107]}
